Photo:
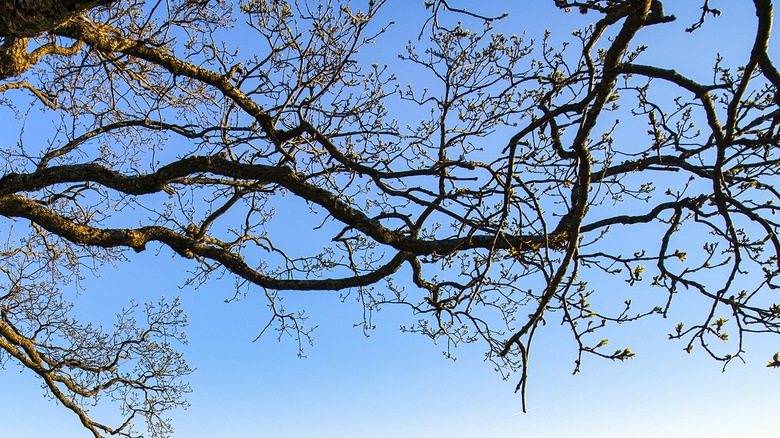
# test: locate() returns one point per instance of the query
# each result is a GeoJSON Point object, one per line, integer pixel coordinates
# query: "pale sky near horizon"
{"type": "Point", "coordinates": [394, 384]}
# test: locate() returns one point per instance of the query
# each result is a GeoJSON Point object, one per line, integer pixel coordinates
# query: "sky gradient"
{"type": "Point", "coordinates": [394, 384]}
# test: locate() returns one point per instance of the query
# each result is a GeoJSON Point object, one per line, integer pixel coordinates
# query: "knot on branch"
{"type": "Point", "coordinates": [14, 59]}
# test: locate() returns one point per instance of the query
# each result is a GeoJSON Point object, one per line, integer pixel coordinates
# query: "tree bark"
{"type": "Point", "coordinates": [29, 18]}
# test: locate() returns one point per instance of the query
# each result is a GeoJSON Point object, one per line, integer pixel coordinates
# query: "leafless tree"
{"type": "Point", "coordinates": [497, 194]}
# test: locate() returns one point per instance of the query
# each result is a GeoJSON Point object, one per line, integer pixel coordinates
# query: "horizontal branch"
{"type": "Point", "coordinates": [185, 246]}
{"type": "Point", "coordinates": [260, 175]}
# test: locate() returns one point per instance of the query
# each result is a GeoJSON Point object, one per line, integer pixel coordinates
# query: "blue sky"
{"type": "Point", "coordinates": [394, 384]}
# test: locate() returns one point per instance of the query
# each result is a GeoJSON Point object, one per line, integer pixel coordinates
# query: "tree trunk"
{"type": "Point", "coordinates": [29, 18]}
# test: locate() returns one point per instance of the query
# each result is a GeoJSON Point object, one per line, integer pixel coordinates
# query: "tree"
{"type": "Point", "coordinates": [494, 196]}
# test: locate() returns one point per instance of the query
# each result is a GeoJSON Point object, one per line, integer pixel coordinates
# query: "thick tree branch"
{"type": "Point", "coordinates": [30, 18]}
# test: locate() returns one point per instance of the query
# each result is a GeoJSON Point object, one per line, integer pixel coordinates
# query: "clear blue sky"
{"type": "Point", "coordinates": [393, 384]}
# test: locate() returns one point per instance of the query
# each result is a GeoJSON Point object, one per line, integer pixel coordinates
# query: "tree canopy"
{"type": "Point", "coordinates": [518, 181]}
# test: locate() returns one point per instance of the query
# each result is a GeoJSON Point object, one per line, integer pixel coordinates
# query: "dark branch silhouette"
{"type": "Point", "coordinates": [516, 183]}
